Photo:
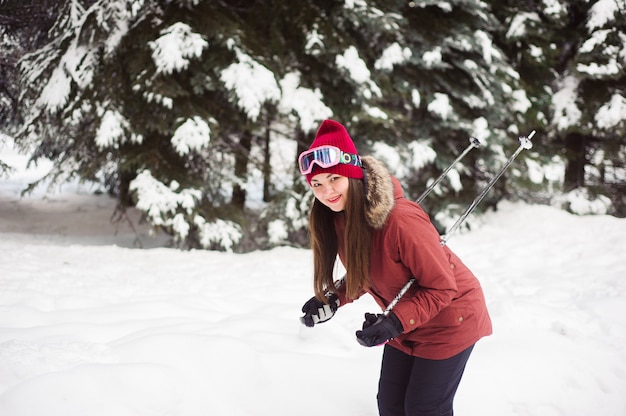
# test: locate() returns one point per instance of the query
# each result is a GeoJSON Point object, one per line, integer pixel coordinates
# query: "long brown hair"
{"type": "Point", "coordinates": [357, 243]}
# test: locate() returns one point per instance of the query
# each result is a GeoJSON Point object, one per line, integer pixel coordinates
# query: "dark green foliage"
{"type": "Point", "coordinates": [579, 48]}
{"type": "Point", "coordinates": [462, 68]}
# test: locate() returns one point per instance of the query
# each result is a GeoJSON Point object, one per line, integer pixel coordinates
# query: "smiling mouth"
{"type": "Point", "coordinates": [333, 200]}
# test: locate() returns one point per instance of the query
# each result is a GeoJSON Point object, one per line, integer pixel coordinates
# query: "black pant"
{"type": "Point", "coordinates": [412, 386]}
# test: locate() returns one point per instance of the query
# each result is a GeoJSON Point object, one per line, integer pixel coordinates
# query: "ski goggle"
{"type": "Point", "coordinates": [326, 157]}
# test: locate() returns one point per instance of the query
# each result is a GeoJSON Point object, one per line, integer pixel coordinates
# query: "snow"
{"type": "Point", "coordinates": [176, 46]}
{"type": "Point", "coordinates": [252, 83]}
{"type": "Point", "coordinates": [480, 130]}
{"type": "Point", "coordinates": [536, 52]}
{"type": "Point", "coordinates": [597, 39]}
{"type": "Point", "coordinates": [390, 156]}
{"type": "Point", "coordinates": [416, 98]}
{"type": "Point", "coordinates": [116, 17]}
{"type": "Point", "coordinates": [432, 58]}
{"type": "Point", "coordinates": [421, 154]}
{"type": "Point", "coordinates": [314, 41]}
{"type": "Point", "coordinates": [112, 131]}
{"type": "Point", "coordinates": [193, 134]}
{"type": "Point", "coordinates": [394, 54]}
{"type": "Point", "coordinates": [614, 55]}
{"type": "Point", "coordinates": [55, 93]}
{"type": "Point", "coordinates": [351, 62]}
{"type": "Point", "coordinates": [521, 103]}
{"type": "Point", "coordinates": [566, 112]}
{"type": "Point", "coordinates": [554, 8]}
{"type": "Point", "coordinates": [76, 65]}
{"type": "Point", "coordinates": [611, 113]}
{"type": "Point", "coordinates": [307, 103]}
{"type": "Point", "coordinates": [440, 106]}
{"type": "Point", "coordinates": [483, 39]}
{"type": "Point", "coordinates": [90, 325]}
{"type": "Point", "coordinates": [603, 12]}
{"type": "Point", "coordinates": [156, 199]}
{"type": "Point", "coordinates": [224, 233]}
{"type": "Point", "coordinates": [517, 26]}
{"type": "Point", "coordinates": [579, 201]}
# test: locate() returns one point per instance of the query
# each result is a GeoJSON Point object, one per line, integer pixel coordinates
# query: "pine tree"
{"type": "Point", "coordinates": [23, 27]}
{"type": "Point", "coordinates": [184, 108]}
{"type": "Point", "coordinates": [570, 57]}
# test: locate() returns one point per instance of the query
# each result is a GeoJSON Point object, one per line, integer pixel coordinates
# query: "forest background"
{"type": "Point", "coordinates": [195, 111]}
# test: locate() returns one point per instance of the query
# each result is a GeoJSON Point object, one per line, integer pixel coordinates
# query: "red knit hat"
{"type": "Point", "coordinates": [335, 134]}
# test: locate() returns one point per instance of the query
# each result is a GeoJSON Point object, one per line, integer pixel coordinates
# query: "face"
{"type": "Point", "coordinates": [331, 190]}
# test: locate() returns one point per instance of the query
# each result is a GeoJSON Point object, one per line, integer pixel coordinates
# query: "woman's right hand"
{"type": "Point", "coordinates": [316, 311]}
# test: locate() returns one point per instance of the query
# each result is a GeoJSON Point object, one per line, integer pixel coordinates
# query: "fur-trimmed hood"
{"type": "Point", "coordinates": [379, 192]}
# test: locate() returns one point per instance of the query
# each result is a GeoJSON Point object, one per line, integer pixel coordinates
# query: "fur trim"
{"type": "Point", "coordinates": [379, 192]}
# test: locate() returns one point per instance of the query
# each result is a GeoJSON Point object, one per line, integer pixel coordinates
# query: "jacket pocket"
{"type": "Point", "coordinates": [447, 317]}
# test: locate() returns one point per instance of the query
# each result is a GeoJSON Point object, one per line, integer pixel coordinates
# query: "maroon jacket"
{"type": "Point", "coordinates": [444, 312]}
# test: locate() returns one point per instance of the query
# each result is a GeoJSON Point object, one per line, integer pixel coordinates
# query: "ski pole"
{"type": "Point", "coordinates": [525, 143]}
{"type": "Point", "coordinates": [401, 293]}
{"type": "Point", "coordinates": [474, 142]}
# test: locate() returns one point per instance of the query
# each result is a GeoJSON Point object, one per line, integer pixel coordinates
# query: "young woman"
{"type": "Point", "coordinates": [383, 240]}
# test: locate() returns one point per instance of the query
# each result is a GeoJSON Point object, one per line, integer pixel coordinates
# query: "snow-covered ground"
{"type": "Point", "coordinates": [92, 325]}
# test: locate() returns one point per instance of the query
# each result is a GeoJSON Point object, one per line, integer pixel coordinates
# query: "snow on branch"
{"type": "Point", "coordinates": [76, 65]}
{"type": "Point", "coordinates": [394, 54]}
{"type": "Point", "coordinates": [220, 232]}
{"type": "Point", "coordinates": [175, 47]}
{"type": "Point", "coordinates": [603, 12]}
{"type": "Point", "coordinates": [441, 106]}
{"type": "Point", "coordinates": [358, 71]}
{"type": "Point", "coordinates": [113, 129]}
{"type": "Point", "coordinates": [307, 103]}
{"type": "Point", "coordinates": [171, 207]}
{"type": "Point", "coordinates": [566, 112]}
{"type": "Point", "coordinates": [614, 56]}
{"type": "Point", "coordinates": [193, 134]}
{"type": "Point", "coordinates": [612, 113]}
{"type": "Point", "coordinates": [252, 83]}
{"type": "Point", "coordinates": [159, 201]}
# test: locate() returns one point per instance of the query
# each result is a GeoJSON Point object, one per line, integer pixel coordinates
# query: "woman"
{"type": "Point", "coordinates": [383, 240]}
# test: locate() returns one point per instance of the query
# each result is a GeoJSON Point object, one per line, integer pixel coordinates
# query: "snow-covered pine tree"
{"type": "Point", "coordinates": [188, 109]}
{"type": "Point", "coordinates": [24, 26]}
{"type": "Point", "coordinates": [598, 139]}
{"type": "Point", "coordinates": [98, 102]}
{"type": "Point", "coordinates": [570, 56]}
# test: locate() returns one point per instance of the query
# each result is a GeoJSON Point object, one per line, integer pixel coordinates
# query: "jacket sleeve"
{"type": "Point", "coordinates": [340, 290]}
{"type": "Point", "coordinates": [416, 243]}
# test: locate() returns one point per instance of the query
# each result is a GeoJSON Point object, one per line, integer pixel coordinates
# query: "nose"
{"type": "Point", "coordinates": [328, 189]}
{"type": "Point", "coordinates": [323, 189]}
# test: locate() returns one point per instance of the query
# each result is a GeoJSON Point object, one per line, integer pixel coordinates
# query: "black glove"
{"type": "Point", "coordinates": [316, 311]}
{"type": "Point", "coordinates": [378, 329]}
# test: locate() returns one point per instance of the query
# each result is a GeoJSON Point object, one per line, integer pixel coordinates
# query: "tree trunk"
{"type": "Point", "coordinates": [575, 153]}
{"type": "Point", "coordinates": [303, 140]}
{"type": "Point", "coordinates": [125, 178]}
{"type": "Point", "coordinates": [267, 167]}
{"type": "Point", "coordinates": [241, 170]}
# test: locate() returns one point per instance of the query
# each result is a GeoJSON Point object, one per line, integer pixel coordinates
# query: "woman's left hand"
{"type": "Point", "coordinates": [379, 329]}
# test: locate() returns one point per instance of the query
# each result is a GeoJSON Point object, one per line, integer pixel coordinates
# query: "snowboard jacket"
{"type": "Point", "coordinates": [444, 311]}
